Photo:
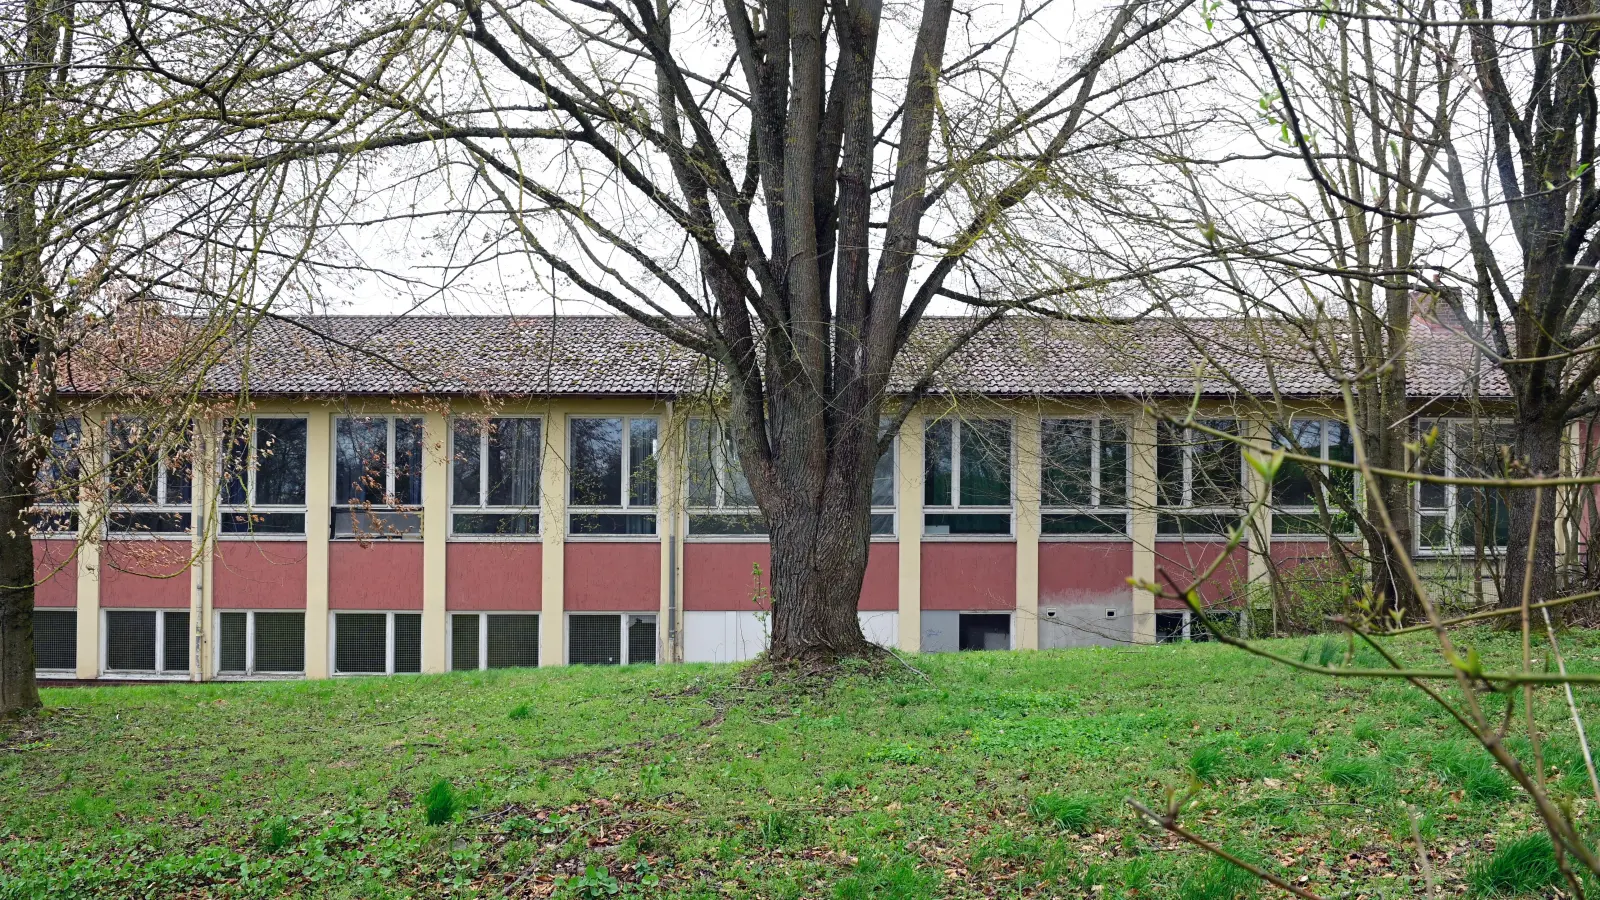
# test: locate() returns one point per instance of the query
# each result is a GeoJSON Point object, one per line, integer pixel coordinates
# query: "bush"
{"type": "Point", "coordinates": [1521, 867]}
{"type": "Point", "coordinates": [441, 803]}
{"type": "Point", "coordinates": [1077, 814]}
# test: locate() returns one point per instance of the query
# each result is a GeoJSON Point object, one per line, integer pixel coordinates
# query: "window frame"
{"type": "Point", "coordinates": [956, 507]}
{"type": "Point", "coordinates": [250, 507]}
{"type": "Point", "coordinates": [627, 508]}
{"type": "Point", "coordinates": [1185, 508]}
{"type": "Point", "coordinates": [158, 504]}
{"type": "Point", "coordinates": [72, 474]}
{"type": "Point", "coordinates": [1094, 509]}
{"type": "Point", "coordinates": [892, 511]}
{"type": "Point", "coordinates": [388, 641]}
{"type": "Point", "coordinates": [413, 533]}
{"type": "Point", "coordinates": [160, 672]}
{"type": "Point", "coordinates": [249, 673]}
{"type": "Point", "coordinates": [1451, 511]}
{"type": "Point", "coordinates": [483, 617]}
{"type": "Point", "coordinates": [483, 506]}
{"type": "Point", "coordinates": [622, 651]}
{"type": "Point", "coordinates": [1280, 440]}
{"type": "Point", "coordinates": [720, 476]}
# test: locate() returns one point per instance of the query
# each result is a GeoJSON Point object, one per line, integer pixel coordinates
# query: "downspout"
{"type": "Point", "coordinates": [672, 561]}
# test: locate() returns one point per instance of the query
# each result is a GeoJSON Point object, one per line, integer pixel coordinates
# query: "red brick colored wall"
{"type": "Point", "coordinates": [493, 576]}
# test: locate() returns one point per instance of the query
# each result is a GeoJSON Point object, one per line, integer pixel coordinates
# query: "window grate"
{"type": "Point", "coordinates": [280, 642]}
{"type": "Point", "coordinates": [408, 642]}
{"type": "Point", "coordinates": [641, 639]}
{"type": "Point", "coordinates": [595, 640]}
{"type": "Point", "coordinates": [55, 639]}
{"type": "Point", "coordinates": [231, 642]}
{"type": "Point", "coordinates": [463, 642]}
{"type": "Point", "coordinates": [175, 642]}
{"type": "Point", "coordinates": [130, 641]}
{"type": "Point", "coordinates": [513, 641]}
{"type": "Point", "coordinates": [360, 643]}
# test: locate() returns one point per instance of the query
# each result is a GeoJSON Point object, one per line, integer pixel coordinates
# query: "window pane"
{"type": "Point", "coordinates": [596, 462]}
{"type": "Point", "coordinates": [280, 642]}
{"type": "Point", "coordinates": [1292, 486]}
{"type": "Point", "coordinates": [1113, 463]}
{"type": "Point", "coordinates": [235, 440]}
{"type": "Point", "coordinates": [986, 463]}
{"type": "Point", "coordinates": [231, 643]}
{"type": "Point", "coordinates": [179, 472]}
{"type": "Point", "coordinates": [612, 523]}
{"type": "Point", "coordinates": [967, 523]}
{"type": "Point", "coordinates": [55, 639]}
{"type": "Point", "coordinates": [1341, 448]}
{"type": "Point", "coordinates": [130, 641]}
{"type": "Point", "coordinates": [883, 478]}
{"type": "Point", "coordinates": [60, 469]}
{"type": "Point", "coordinates": [641, 639]}
{"type": "Point", "coordinates": [408, 462]}
{"type": "Point", "coordinates": [407, 642]}
{"type": "Point", "coordinates": [513, 641]}
{"type": "Point", "coordinates": [463, 642]}
{"type": "Point", "coordinates": [514, 462]}
{"type": "Point", "coordinates": [1433, 461]}
{"type": "Point", "coordinates": [1218, 480]}
{"type": "Point", "coordinates": [281, 462]}
{"type": "Point", "coordinates": [596, 640]}
{"type": "Point", "coordinates": [741, 523]}
{"type": "Point", "coordinates": [984, 631]}
{"type": "Point", "coordinates": [1082, 523]}
{"type": "Point", "coordinates": [1068, 449]}
{"type": "Point", "coordinates": [883, 523]}
{"type": "Point", "coordinates": [362, 456]}
{"type": "Point", "coordinates": [175, 641]}
{"type": "Point", "coordinates": [519, 524]}
{"type": "Point", "coordinates": [1171, 447]}
{"type": "Point", "coordinates": [262, 523]}
{"type": "Point", "coordinates": [937, 453]}
{"type": "Point", "coordinates": [642, 457]}
{"type": "Point", "coordinates": [465, 462]}
{"type": "Point", "coordinates": [360, 642]}
{"type": "Point", "coordinates": [699, 454]}
{"type": "Point", "coordinates": [134, 469]}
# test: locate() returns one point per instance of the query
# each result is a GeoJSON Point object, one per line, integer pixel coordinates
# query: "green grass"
{"type": "Point", "coordinates": [1003, 775]}
{"type": "Point", "coordinates": [1520, 867]}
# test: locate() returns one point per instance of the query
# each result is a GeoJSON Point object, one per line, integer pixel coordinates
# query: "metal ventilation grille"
{"type": "Point", "coordinates": [641, 639]}
{"type": "Point", "coordinates": [130, 641]}
{"type": "Point", "coordinates": [175, 642]}
{"type": "Point", "coordinates": [463, 642]}
{"type": "Point", "coordinates": [408, 642]}
{"type": "Point", "coordinates": [596, 640]}
{"type": "Point", "coordinates": [55, 639]}
{"type": "Point", "coordinates": [513, 641]}
{"type": "Point", "coordinates": [280, 642]}
{"type": "Point", "coordinates": [360, 640]}
{"type": "Point", "coordinates": [230, 644]}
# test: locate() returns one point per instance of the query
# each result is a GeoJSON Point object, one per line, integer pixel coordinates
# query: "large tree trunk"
{"type": "Point", "coordinates": [1537, 454]}
{"type": "Point", "coordinates": [19, 691]}
{"type": "Point", "coordinates": [819, 559]}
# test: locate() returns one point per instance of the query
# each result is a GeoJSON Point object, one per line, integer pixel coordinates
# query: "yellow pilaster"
{"type": "Point", "coordinates": [1258, 543]}
{"type": "Point", "coordinates": [553, 532]}
{"type": "Point", "coordinates": [670, 525]}
{"type": "Point", "coordinates": [319, 500]}
{"type": "Point", "coordinates": [202, 548]}
{"type": "Point", "coordinates": [435, 537]}
{"type": "Point", "coordinates": [909, 471]}
{"type": "Point", "coordinates": [1142, 496]}
{"type": "Point", "coordinates": [1028, 481]}
{"type": "Point", "coordinates": [90, 519]}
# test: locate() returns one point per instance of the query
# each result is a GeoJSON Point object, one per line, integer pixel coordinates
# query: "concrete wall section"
{"type": "Point", "coordinates": [259, 575]}
{"type": "Point", "coordinates": [613, 575]}
{"type": "Point", "coordinates": [1084, 596]}
{"type": "Point", "coordinates": [961, 575]}
{"type": "Point", "coordinates": [494, 576]}
{"type": "Point", "coordinates": [383, 575]}
{"type": "Point", "coordinates": [55, 570]}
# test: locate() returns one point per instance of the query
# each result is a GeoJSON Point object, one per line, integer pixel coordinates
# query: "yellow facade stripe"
{"type": "Point", "coordinates": [319, 503]}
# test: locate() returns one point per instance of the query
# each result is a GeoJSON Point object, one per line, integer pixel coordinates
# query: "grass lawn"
{"type": "Point", "coordinates": [1002, 776]}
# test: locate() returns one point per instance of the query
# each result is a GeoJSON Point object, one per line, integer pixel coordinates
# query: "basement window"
{"type": "Point", "coordinates": [263, 488]}
{"type": "Point", "coordinates": [377, 643]}
{"type": "Point", "coordinates": [612, 479]}
{"type": "Point", "coordinates": [56, 487]}
{"type": "Point", "coordinates": [1174, 627]}
{"type": "Point", "coordinates": [1085, 477]}
{"type": "Point", "coordinates": [147, 641]}
{"type": "Point", "coordinates": [984, 631]}
{"type": "Point", "coordinates": [377, 477]}
{"type": "Point", "coordinates": [967, 471]}
{"type": "Point", "coordinates": [55, 640]}
{"type": "Point", "coordinates": [150, 472]}
{"type": "Point", "coordinates": [494, 484]}
{"type": "Point", "coordinates": [494, 641]}
{"type": "Point", "coordinates": [261, 643]}
{"type": "Point", "coordinates": [608, 639]}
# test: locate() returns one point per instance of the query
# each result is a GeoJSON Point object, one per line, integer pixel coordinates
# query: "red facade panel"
{"type": "Point", "coordinates": [379, 575]}
{"type": "Point", "coordinates": [55, 571]}
{"type": "Point", "coordinates": [1183, 560]}
{"type": "Point", "coordinates": [880, 589]}
{"type": "Point", "coordinates": [961, 575]}
{"type": "Point", "coordinates": [617, 577]}
{"type": "Point", "coordinates": [1071, 573]}
{"type": "Point", "coordinates": [721, 576]}
{"type": "Point", "coordinates": [493, 576]}
{"type": "Point", "coordinates": [259, 575]}
{"type": "Point", "coordinates": [145, 574]}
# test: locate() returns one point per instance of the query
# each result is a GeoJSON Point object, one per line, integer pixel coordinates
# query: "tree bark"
{"type": "Point", "coordinates": [1536, 454]}
{"type": "Point", "coordinates": [818, 564]}
{"type": "Point", "coordinates": [19, 691]}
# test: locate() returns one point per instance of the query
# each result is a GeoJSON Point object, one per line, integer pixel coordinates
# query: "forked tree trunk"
{"type": "Point", "coordinates": [1537, 454]}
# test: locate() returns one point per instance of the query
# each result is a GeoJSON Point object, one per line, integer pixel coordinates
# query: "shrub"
{"type": "Point", "coordinates": [1077, 814]}
{"type": "Point", "coordinates": [1520, 867]}
{"type": "Point", "coordinates": [440, 803]}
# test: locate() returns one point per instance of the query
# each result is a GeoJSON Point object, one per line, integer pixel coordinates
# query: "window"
{"type": "Point", "coordinates": [377, 476]}
{"type": "Point", "coordinates": [609, 638]}
{"type": "Point", "coordinates": [377, 643]}
{"type": "Point", "coordinates": [984, 631]}
{"type": "Point", "coordinates": [967, 472]}
{"type": "Point", "coordinates": [1294, 493]}
{"type": "Point", "coordinates": [1085, 476]}
{"type": "Point", "coordinates": [720, 501]}
{"type": "Point", "coordinates": [263, 487]}
{"type": "Point", "coordinates": [55, 509]}
{"type": "Point", "coordinates": [1199, 479]}
{"type": "Point", "coordinates": [494, 485]}
{"type": "Point", "coordinates": [1174, 627]}
{"type": "Point", "coordinates": [1458, 518]}
{"type": "Point", "coordinates": [884, 492]}
{"type": "Point", "coordinates": [147, 641]}
{"type": "Point", "coordinates": [55, 640]}
{"type": "Point", "coordinates": [261, 643]}
{"type": "Point", "coordinates": [494, 640]}
{"type": "Point", "coordinates": [150, 472]}
{"type": "Point", "coordinates": [612, 483]}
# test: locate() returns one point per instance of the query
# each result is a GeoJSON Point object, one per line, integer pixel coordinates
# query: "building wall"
{"type": "Point", "coordinates": [56, 573]}
{"type": "Point", "coordinates": [259, 575]}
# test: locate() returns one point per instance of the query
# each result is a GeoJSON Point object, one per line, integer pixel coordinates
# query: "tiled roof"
{"type": "Point", "coordinates": [611, 355]}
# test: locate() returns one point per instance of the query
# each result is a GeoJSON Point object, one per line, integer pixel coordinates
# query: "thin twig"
{"type": "Point", "coordinates": [1170, 823]}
